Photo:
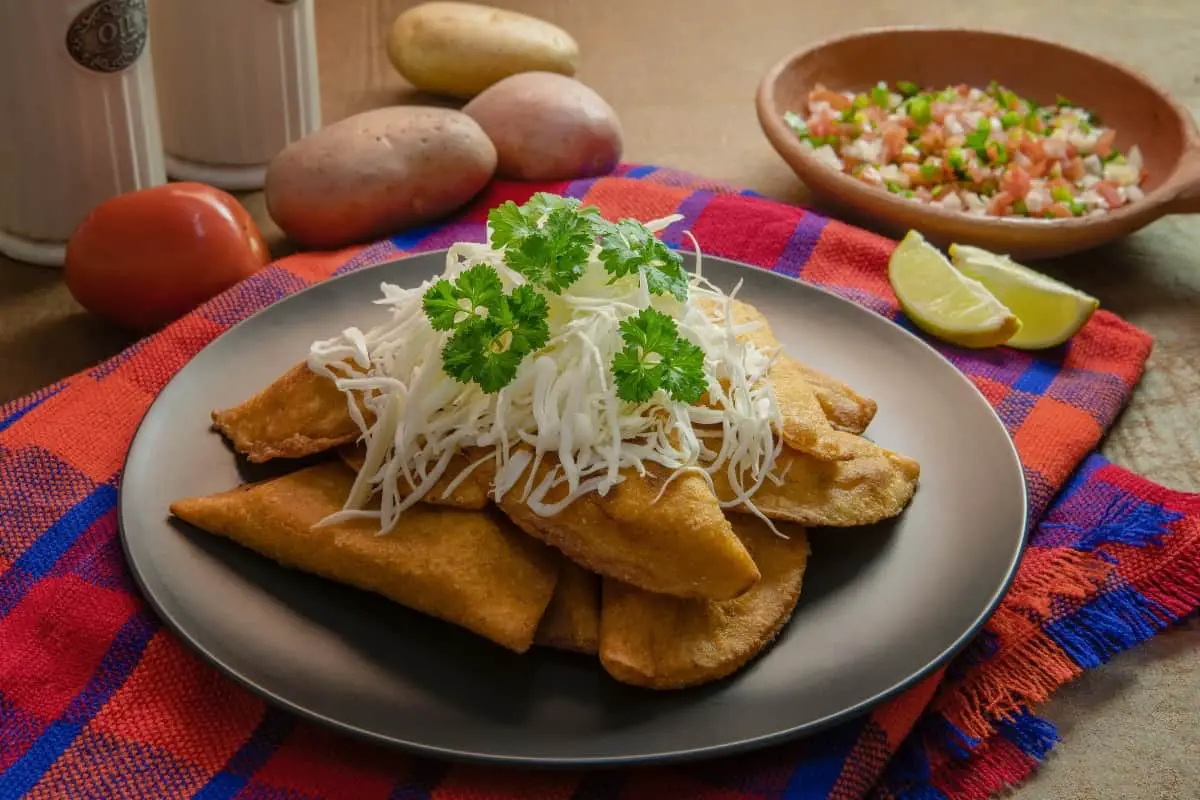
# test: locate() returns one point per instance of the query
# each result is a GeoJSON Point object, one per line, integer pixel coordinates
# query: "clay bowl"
{"type": "Point", "coordinates": [1141, 113]}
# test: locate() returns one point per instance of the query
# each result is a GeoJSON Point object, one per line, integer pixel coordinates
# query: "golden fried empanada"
{"type": "Point", "coordinates": [471, 493]}
{"type": "Point", "coordinates": [874, 485]}
{"type": "Point", "coordinates": [300, 414]}
{"type": "Point", "coordinates": [680, 544]}
{"type": "Point", "coordinates": [664, 642]}
{"type": "Point", "coordinates": [572, 620]}
{"type": "Point", "coordinates": [469, 568]}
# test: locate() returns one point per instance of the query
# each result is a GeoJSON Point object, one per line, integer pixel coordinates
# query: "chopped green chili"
{"type": "Point", "coordinates": [918, 110]}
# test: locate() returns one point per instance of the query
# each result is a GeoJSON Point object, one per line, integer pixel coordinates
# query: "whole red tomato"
{"type": "Point", "coordinates": [146, 258]}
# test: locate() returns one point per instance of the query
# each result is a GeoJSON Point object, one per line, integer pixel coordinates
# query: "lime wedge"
{"type": "Point", "coordinates": [1051, 312]}
{"type": "Point", "coordinates": [942, 301]}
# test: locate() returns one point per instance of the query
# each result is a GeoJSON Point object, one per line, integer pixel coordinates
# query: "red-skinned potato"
{"type": "Point", "coordinates": [548, 127]}
{"type": "Point", "coordinates": [146, 258]}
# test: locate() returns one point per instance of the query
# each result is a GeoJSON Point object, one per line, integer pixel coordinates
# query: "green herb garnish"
{"type": "Point", "coordinates": [475, 292]}
{"type": "Point", "coordinates": [1019, 207]}
{"type": "Point", "coordinates": [1061, 101]}
{"type": "Point", "coordinates": [629, 246]}
{"type": "Point", "coordinates": [1061, 194]}
{"type": "Point", "coordinates": [554, 253]}
{"type": "Point", "coordinates": [1011, 119]}
{"type": "Point", "coordinates": [656, 357]}
{"type": "Point", "coordinates": [907, 88]}
{"type": "Point", "coordinates": [550, 240]}
{"type": "Point", "coordinates": [1078, 208]}
{"type": "Point", "coordinates": [880, 96]}
{"type": "Point", "coordinates": [493, 332]}
{"type": "Point", "coordinates": [930, 172]}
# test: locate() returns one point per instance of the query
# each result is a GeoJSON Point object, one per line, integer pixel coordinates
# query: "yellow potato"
{"type": "Point", "coordinates": [460, 49]}
{"type": "Point", "coordinates": [376, 173]}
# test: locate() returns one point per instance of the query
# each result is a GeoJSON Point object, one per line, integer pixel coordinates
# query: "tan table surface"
{"type": "Point", "coordinates": [682, 76]}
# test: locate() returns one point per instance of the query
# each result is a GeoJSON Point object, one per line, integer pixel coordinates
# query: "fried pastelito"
{"type": "Point", "coordinates": [678, 544]}
{"type": "Point", "coordinates": [806, 427]}
{"type": "Point", "coordinates": [300, 414]}
{"type": "Point", "coordinates": [572, 620]}
{"type": "Point", "coordinates": [542, 443]}
{"type": "Point", "coordinates": [468, 568]}
{"type": "Point", "coordinates": [845, 408]}
{"type": "Point", "coordinates": [875, 485]}
{"type": "Point", "coordinates": [469, 493]}
{"type": "Point", "coordinates": [817, 411]}
{"type": "Point", "coordinates": [661, 642]}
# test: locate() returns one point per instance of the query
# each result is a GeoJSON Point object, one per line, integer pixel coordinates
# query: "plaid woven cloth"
{"type": "Point", "coordinates": [98, 700]}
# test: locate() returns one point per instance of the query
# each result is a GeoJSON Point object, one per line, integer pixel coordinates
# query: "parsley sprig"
{"type": "Point", "coordinates": [629, 247]}
{"type": "Point", "coordinates": [656, 357]}
{"type": "Point", "coordinates": [553, 254]}
{"type": "Point", "coordinates": [493, 331]}
{"type": "Point", "coordinates": [550, 240]}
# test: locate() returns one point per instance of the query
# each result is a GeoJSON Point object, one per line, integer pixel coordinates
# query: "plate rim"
{"type": "Point", "coordinates": [454, 755]}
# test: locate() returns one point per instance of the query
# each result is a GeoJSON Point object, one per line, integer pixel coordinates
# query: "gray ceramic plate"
{"type": "Point", "coordinates": [881, 606]}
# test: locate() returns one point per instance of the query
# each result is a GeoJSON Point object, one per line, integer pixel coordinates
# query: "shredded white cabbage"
{"type": "Point", "coordinates": [563, 401]}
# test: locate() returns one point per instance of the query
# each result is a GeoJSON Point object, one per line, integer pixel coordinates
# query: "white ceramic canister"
{"type": "Point", "coordinates": [78, 117]}
{"type": "Point", "coordinates": [237, 82]}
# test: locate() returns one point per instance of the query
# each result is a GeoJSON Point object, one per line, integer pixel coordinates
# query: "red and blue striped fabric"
{"type": "Point", "coordinates": [97, 699]}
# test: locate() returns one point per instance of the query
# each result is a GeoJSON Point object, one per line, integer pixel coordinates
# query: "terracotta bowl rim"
{"type": "Point", "coordinates": [1150, 207]}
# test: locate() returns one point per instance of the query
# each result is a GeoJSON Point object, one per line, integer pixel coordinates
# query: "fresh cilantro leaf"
{"type": "Point", "coordinates": [481, 351]}
{"type": "Point", "coordinates": [510, 223]}
{"type": "Point", "coordinates": [544, 202]}
{"type": "Point", "coordinates": [683, 372]}
{"type": "Point", "coordinates": [523, 315]}
{"type": "Point", "coordinates": [492, 331]}
{"type": "Point", "coordinates": [655, 357]}
{"type": "Point", "coordinates": [548, 240]}
{"type": "Point", "coordinates": [480, 286]}
{"type": "Point", "coordinates": [475, 288]}
{"type": "Point", "coordinates": [498, 369]}
{"type": "Point", "coordinates": [464, 352]}
{"type": "Point", "coordinates": [636, 380]}
{"type": "Point", "coordinates": [629, 247]}
{"type": "Point", "coordinates": [441, 305]}
{"type": "Point", "coordinates": [557, 255]}
{"type": "Point", "coordinates": [651, 330]}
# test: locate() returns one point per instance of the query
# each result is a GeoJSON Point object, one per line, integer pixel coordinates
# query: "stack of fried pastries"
{"type": "Point", "coordinates": [668, 593]}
